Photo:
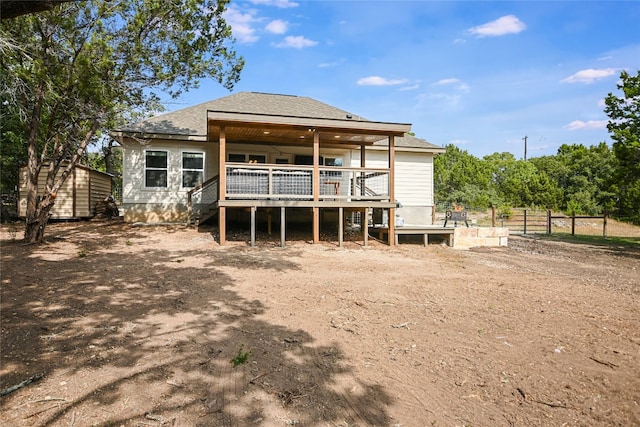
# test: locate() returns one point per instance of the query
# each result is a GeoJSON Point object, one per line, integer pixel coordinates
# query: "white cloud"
{"type": "Point", "coordinates": [297, 42]}
{"type": "Point", "coordinates": [458, 84]}
{"type": "Point", "coordinates": [591, 124]}
{"type": "Point", "coordinates": [449, 81]}
{"type": "Point", "coordinates": [412, 87]}
{"type": "Point", "coordinates": [277, 26]}
{"type": "Point", "coordinates": [589, 76]}
{"type": "Point", "coordinates": [241, 25]}
{"type": "Point", "coordinates": [509, 24]}
{"type": "Point", "coordinates": [283, 4]}
{"type": "Point", "coordinates": [380, 81]}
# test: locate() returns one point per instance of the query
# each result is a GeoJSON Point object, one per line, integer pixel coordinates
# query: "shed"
{"type": "Point", "coordinates": [76, 198]}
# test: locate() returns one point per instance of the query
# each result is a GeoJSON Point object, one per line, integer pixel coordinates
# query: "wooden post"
{"type": "Point", "coordinates": [269, 220]}
{"type": "Point", "coordinates": [316, 185]}
{"type": "Point", "coordinates": [253, 226]}
{"type": "Point", "coordinates": [392, 193]}
{"type": "Point", "coordinates": [283, 224]}
{"type": "Point", "coordinates": [604, 225]}
{"type": "Point", "coordinates": [365, 226]}
{"type": "Point", "coordinates": [573, 223]}
{"type": "Point", "coordinates": [548, 221]}
{"type": "Point", "coordinates": [525, 222]}
{"type": "Point", "coordinates": [222, 186]}
{"type": "Point", "coordinates": [340, 226]}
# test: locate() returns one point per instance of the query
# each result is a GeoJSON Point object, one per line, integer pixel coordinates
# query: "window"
{"type": "Point", "coordinates": [247, 158]}
{"type": "Point", "coordinates": [155, 169]}
{"type": "Point", "coordinates": [192, 169]}
{"type": "Point", "coordinates": [332, 161]}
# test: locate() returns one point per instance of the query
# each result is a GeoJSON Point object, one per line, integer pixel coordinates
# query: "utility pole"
{"type": "Point", "coordinates": [525, 147]}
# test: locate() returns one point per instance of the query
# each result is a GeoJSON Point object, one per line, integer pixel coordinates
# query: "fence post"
{"type": "Point", "coordinates": [525, 222]}
{"type": "Point", "coordinates": [548, 221]}
{"type": "Point", "coordinates": [573, 223]}
{"type": "Point", "coordinates": [604, 224]}
{"type": "Point", "coordinates": [493, 215]}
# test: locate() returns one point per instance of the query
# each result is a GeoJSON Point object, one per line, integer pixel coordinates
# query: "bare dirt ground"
{"type": "Point", "coordinates": [160, 326]}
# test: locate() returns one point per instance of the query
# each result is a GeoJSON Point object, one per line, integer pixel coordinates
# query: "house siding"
{"type": "Point", "coordinates": [142, 204]}
{"type": "Point", "coordinates": [169, 204]}
{"type": "Point", "coordinates": [413, 182]}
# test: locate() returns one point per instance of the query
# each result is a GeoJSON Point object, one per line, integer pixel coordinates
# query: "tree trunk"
{"type": "Point", "coordinates": [35, 226]}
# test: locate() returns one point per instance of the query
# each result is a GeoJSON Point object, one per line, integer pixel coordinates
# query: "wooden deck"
{"type": "Point", "coordinates": [445, 233]}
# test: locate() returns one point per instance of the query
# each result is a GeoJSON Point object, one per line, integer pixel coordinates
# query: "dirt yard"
{"type": "Point", "coordinates": [160, 326]}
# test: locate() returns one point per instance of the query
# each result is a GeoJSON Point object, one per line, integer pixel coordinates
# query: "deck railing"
{"type": "Point", "coordinates": [201, 196]}
{"type": "Point", "coordinates": [265, 181]}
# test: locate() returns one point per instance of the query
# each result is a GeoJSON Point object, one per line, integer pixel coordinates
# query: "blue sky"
{"type": "Point", "coordinates": [480, 75]}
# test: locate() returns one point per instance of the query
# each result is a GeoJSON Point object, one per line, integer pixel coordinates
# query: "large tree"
{"type": "Point", "coordinates": [624, 127]}
{"type": "Point", "coordinates": [83, 67]}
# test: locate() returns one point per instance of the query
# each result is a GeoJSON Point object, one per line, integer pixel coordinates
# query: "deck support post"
{"type": "Point", "coordinates": [283, 224]}
{"type": "Point", "coordinates": [316, 225]}
{"type": "Point", "coordinates": [222, 185]}
{"type": "Point", "coordinates": [365, 226]}
{"type": "Point", "coordinates": [222, 225]}
{"type": "Point", "coordinates": [316, 185]}
{"type": "Point", "coordinates": [269, 220]}
{"type": "Point", "coordinates": [253, 226]}
{"type": "Point", "coordinates": [340, 226]}
{"type": "Point", "coordinates": [392, 196]}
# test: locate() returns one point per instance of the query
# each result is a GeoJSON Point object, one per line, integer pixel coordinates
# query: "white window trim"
{"type": "Point", "coordinates": [204, 164]}
{"type": "Point", "coordinates": [144, 177]}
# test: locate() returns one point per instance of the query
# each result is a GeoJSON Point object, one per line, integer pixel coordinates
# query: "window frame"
{"type": "Point", "coordinates": [154, 168]}
{"type": "Point", "coordinates": [183, 169]}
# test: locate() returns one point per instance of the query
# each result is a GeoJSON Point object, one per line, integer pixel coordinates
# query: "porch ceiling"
{"type": "Point", "coordinates": [252, 128]}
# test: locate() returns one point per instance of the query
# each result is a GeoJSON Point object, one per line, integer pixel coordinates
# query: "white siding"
{"type": "Point", "coordinates": [413, 182]}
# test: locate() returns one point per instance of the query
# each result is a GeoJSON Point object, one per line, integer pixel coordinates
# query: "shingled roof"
{"type": "Point", "coordinates": [191, 122]}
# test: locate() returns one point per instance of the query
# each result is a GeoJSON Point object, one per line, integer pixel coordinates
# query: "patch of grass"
{"type": "Point", "coordinates": [129, 243]}
{"type": "Point", "coordinates": [82, 253]}
{"type": "Point", "coordinates": [241, 357]}
{"type": "Point", "coordinates": [632, 242]}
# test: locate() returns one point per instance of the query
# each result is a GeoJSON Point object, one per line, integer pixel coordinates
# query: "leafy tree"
{"type": "Point", "coordinates": [624, 127]}
{"type": "Point", "coordinates": [582, 176]}
{"type": "Point", "coordinates": [86, 66]}
{"type": "Point", "coordinates": [462, 178]}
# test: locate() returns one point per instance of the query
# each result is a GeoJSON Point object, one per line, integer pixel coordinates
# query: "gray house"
{"type": "Point", "coordinates": [253, 152]}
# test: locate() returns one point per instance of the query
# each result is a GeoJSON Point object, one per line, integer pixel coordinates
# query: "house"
{"type": "Point", "coordinates": [78, 196]}
{"type": "Point", "coordinates": [250, 152]}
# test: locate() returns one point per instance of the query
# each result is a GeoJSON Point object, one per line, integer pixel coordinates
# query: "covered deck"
{"type": "Point", "coordinates": [314, 186]}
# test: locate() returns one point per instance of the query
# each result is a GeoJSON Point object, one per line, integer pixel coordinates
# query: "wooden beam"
{"type": "Point", "coordinates": [222, 186]}
{"type": "Point", "coordinates": [283, 226]}
{"type": "Point", "coordinates": [222, 225]}
{"type": "Point", "coordinates": [392, 192]}
{"type": "Point", "coordinates": [365, 226]}
{"type": "Point", "coordinates": [340, 226]}
{"type": "Point", "coordinates": [316, 185]}
{"type": "Point", "coordinates": [253, 226]}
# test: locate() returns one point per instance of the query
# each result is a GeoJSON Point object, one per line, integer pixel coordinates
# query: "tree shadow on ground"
{"type": "Point", "coordinates": [160, 336]}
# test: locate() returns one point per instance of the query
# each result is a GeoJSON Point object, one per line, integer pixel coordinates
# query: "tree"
{"type": "Point", "coordinates": [84, 67]}
{"type": "Point", "coordinates": [582, 176]}
{"type": "Point", "coordinates": [624, 127]}
{"type": "Point", "coordinates": [462, 178]}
